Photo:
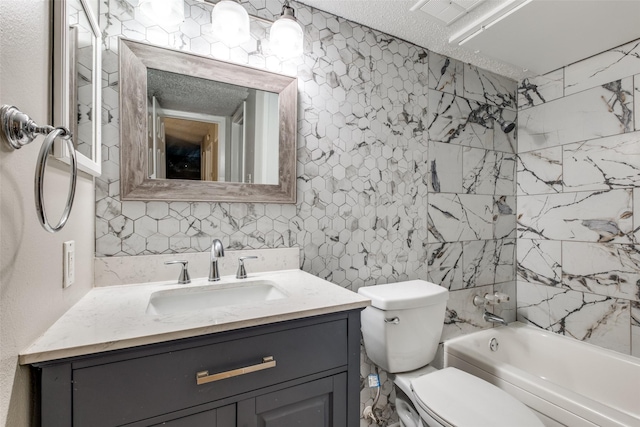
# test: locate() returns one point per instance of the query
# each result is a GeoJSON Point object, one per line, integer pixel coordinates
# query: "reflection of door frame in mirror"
{"type": "Point", "coordinates": [236, 147]}
{"type": "Point", "coordinates": [205, 118]}
{"type": "Point", "coordinates": [135, 58]}
{"type": "Point", "coordinates": [64, 110]}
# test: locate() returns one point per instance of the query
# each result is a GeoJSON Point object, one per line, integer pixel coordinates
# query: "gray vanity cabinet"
{"type": "Point", "coordinates": [301, 372]}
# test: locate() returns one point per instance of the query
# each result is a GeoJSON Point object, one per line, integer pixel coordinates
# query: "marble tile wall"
{"type": "Point", "coordinates": [362, 162]}
{"type": "Point", "coordinates": [471, 204]}
{"type": "Point", "coordinates": [578, 175]}
{"type": "Point", "coordinates": [401, 172]}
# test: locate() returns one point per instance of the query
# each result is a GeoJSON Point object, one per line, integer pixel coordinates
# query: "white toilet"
{"type": "Point", "coordinates": [401, 331]}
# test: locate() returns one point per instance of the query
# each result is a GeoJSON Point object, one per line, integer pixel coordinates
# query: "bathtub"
{"type": "Point", "coordinates": [565, 381]}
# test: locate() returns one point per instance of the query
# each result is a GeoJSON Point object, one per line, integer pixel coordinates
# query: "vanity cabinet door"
{"type": "Point", "coordinates": [319, 403]}
{"type": "Point", "coordinates": [221, 417]}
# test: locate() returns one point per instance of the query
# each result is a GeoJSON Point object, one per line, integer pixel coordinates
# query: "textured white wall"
{"type": "Point", "coordinates": [31, 294]}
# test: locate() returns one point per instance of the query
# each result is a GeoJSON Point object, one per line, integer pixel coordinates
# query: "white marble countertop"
{"type": "Point", "coordinates": [115, 317]}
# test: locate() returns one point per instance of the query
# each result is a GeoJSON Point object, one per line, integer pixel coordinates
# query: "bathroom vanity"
{"type": "Point", "coordinates": [272, 363]}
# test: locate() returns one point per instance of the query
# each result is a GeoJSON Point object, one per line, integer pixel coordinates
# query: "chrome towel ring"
{"type": "Point", "coordinates": [19, 130]}
{"type": "Point", "coordinates": [39, 179]}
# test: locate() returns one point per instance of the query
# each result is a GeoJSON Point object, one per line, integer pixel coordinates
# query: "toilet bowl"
{"type": "Point", "coordinates": [407, 414]}
{"type": "Point", "coordinates": [401, 331]}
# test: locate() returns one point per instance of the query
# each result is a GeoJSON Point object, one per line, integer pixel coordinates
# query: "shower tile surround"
{"type": "Point", "coordinates": [578, 177]}
{"type": "Point", "coordinates": [401, 176]}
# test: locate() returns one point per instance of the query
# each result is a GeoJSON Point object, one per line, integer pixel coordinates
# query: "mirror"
{"type": "Point", "coordinates": [77, 82]}
{"type": "Point", "coordinates": [194, 128]}
{"type": "Point", "coordinates": [211, 131]}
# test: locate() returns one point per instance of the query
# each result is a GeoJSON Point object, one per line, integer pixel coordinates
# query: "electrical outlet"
{"type": "Point", "coordinates": [68, 263]}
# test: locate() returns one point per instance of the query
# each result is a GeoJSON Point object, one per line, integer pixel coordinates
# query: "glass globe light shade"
{"type": "Point", "coordinates": [230, 23]}
{"type": "Point", "coordinates": [286, 38]}
{"type": "Point", "coordinates": [164, 12]}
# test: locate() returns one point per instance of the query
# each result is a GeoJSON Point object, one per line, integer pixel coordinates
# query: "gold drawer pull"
{"type": "Point", "coordinates": [203, 377]}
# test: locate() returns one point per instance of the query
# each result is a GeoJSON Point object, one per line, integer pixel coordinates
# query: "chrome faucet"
{"type": "Point", "coordinates": [493, 318]}
{"type": "Point", "coordinates": [491, 299]}
{"type": "Point", "coordinates": [217, 251]}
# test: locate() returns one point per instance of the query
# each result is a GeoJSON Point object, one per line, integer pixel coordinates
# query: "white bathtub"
{"type": "Point", "coordinates": [567, 382]}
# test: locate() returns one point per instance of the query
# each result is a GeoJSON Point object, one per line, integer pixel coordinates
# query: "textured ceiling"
{"type": "Point", "coordinates": [187, 93]}
{"type": "Point", "coordinates": [394, 17]}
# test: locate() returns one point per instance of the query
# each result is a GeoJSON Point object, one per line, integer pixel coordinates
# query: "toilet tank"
{"type": "Point", "coordinates": [402, 327]}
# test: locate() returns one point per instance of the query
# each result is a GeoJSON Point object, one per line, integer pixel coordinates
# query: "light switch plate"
{"type": "Point", "coordinates": [68, 263]}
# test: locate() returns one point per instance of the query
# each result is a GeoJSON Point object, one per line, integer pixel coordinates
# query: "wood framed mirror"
{"type": "Point", "coordinates": [167, 147]}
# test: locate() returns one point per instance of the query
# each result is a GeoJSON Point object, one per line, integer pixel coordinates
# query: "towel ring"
{"type": "Point", "coordinates": [19, 130]}
{"type": "Point", "coordinates": [39, 178]}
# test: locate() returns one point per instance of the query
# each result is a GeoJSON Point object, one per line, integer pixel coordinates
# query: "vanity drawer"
{"type": "Point", "coordinates": [130, 390]}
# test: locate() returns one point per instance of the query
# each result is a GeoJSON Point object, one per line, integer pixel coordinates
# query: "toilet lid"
{"type": "Point", "coordinates": [404, 295]}
{"type": "Point", "coordinates": [457, 398]}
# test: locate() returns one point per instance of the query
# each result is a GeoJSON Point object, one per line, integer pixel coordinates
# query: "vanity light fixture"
{"type": "Point", "coordinates": [230, 23]}
{"type": "Point", "coordinates": [165, 12]}
{"type": "Point", "coordinates": [286, 37]}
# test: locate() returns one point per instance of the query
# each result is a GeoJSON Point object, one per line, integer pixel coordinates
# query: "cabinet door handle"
{"type": "Point", "coordinates": [203, 377]}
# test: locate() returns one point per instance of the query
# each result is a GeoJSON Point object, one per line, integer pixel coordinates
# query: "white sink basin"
{"type": "Point", "coordinates": [196, 298]}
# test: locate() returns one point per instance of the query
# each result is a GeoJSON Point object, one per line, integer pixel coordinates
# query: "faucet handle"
{"type": "Point", "coordinates": [490, 299]}
{"type": "Point", "coordinates": [184, 274]}
{"type": "Point", "coordinates": [242, 273]}
{"type": "Point", "coordinates": [499, 297]}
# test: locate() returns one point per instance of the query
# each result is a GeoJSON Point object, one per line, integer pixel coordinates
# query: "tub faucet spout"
{"type": "Point", "coordinates": [493, 318]}
{"type": "Point", "coordinates": [217, 251]}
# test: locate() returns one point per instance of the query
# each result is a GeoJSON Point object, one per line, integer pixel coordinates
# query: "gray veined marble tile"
{"type": "Point", "coordinates": [636, 214]}
{"type": "Point", "coordinates": [133, 30]}
{"type": "Point", "coordinates": [488, 172]}
{"type": "Point", "coordinates": [109, 245]}
{"type": "Point", "coordinates": [384, 397]}
{"type": "Point", "coordinates": [537, 90]}
{"type": "Point", "coordinates": [490, 88]}
{"type": "Point", "coordinates": [456, 120]}
{"type": "Point", "coordinates": [459, 217]}
{"type": "Point", "coordinates": [602, 111]}
{"type": "Point", "coordinates": [603, 269]}
{"type": "Point", "coordinates": [122, 9]}
{"type": "Point", "coordinates": [444, 264]}
{"type": "Point", "coordinates": [539, 261]}
{"type": "Point", "coordinates": [445, 167]}
{"type": "Point", "coordinates": [540, 171]}
{"type": "Point", "coordinates": [601, 164]}
{"type": "Point", "coordinates": [486, 262]}
{"type": "Point", "coordinates": [636, 100]}
{"type": "Point", "coordinates": [462, 317]}
{"type": "Point", "coordinates": [635, 328]}
{"type": "Point", "coordinates": [604, 216]}
{"type": "Point", "coordinates": [504, 217]}
{"type": "Point", "coordinates": [596, 319]}
{"type": "Point", "coordinates": [445, 74]}
{"type": "Point", "coordinates": [362, 117]}
{"type": "Point", "coordinates": [617, 63]}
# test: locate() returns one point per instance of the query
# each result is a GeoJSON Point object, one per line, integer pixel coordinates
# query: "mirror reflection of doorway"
{"type": "Point", "coordinates": [245, 146]}
{"type": "Point", "coordinates": [191, 149]}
